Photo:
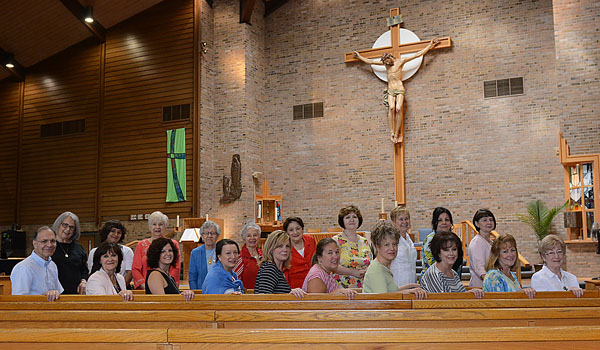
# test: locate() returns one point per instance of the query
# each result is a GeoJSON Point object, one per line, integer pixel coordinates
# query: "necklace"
{"type": "Point", "coordinates": [211, 259]}
{"type": "Point", "coordinates": [63, 250]}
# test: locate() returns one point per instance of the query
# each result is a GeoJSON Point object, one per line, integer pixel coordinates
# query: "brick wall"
{"type": "Point", "coordinates": [576, 27]}
{"type": "Point", "coordinates": [462, 151]}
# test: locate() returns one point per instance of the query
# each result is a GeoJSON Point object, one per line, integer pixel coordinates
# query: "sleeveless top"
{"type": "Point", "coordinates": [171, 287]}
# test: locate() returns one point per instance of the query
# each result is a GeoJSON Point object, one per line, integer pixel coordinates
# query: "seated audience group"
{"type": "Point", "coordinates": [290, 262]}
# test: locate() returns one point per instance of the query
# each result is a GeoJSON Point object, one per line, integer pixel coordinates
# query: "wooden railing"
{"type": "Point", "coordinates": [466, 231]}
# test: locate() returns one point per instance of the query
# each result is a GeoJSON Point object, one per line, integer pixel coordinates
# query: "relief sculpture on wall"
{"type": "Point", "coordinates": [232, 185]}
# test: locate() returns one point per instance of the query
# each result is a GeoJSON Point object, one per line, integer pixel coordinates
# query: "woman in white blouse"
{"type": "Point", "coordinates": [552, 277]}
{"type": "Point", "coordinates": [404, 266]}
{"type": "Point", "coordinates": [104, 279]}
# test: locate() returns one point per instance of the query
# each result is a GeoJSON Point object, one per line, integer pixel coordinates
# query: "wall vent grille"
{"type": "Point", "coordinates": [177, 112]}
{"type": "Point", "coordinates": [62, 128]}
{"type": "Point", "coordinates": [503, 87]}
{"type": "Point", "coordinates": [308, 111]}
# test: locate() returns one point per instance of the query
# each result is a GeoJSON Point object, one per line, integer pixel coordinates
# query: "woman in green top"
{"type": "Point", "coordinates": [379, 278]}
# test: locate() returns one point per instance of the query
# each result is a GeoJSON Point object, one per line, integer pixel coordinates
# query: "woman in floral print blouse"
{"type": "Point", "coordinates": [355, 253]}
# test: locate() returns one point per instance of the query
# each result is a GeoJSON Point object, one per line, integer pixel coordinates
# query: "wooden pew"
{"type": "Point", "coordinates": [545, 337]}
{"type": "Point", "coordinates": [285, 311]}
{"type": "Point", "coordinates": [69, 338]}
{"type": "Point", "coordinates": [567, 337]}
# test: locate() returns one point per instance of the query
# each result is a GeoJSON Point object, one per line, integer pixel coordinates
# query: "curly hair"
{"type": "Point", "coordinates": [153, 253]}
{"type": "Point", "coordinates": [383, 230]}
{"type": "Point", "coordinates": [348, 210]}
{"type": "Point", "coordinates": [108, 226]}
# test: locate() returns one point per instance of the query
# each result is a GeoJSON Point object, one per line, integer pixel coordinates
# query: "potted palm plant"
{"type": "Point", "coordinates": [539, 218]}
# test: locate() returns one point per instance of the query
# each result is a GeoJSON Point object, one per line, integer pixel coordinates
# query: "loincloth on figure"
{"type": "Point", "coordinates": [393, 92]}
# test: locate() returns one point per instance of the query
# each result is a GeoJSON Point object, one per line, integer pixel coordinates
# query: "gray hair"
{"type": "Point", "coordinates": [209, 224]}
{"type": "Point", "coordinates": [248, 226]}
{"type": "Point", "coordinates": [43, 228]}
{"type": "Point", "coordinates": [157, 216]}
{"type": "Point", "coordinates": [59, 220]}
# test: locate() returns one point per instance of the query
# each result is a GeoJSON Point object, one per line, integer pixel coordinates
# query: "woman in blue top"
{"type": "Point", "coordinates": [500, 267]}
{"type": "Point", "coordinates": [221, 279]}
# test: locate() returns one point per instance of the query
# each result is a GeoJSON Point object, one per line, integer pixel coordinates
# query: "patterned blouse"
{"type": "Point", "coordinates": [354, 255]}
{"type": "Point", "coordinates": [435, 281]}
{"type": "Point", "coordinates": [496, 281]}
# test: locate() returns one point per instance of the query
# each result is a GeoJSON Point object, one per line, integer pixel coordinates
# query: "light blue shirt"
{"type": "Point", "coordinates": [35, 276]}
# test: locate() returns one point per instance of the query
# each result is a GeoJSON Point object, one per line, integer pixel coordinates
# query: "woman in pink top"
{"type": "Point", "coordinates": [480, 246]}
{"type": "Point", "coordinates": [325, 261]}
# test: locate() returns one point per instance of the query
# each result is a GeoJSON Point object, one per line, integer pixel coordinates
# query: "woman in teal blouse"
{"type": "Point", "coordinates": [500, 268]}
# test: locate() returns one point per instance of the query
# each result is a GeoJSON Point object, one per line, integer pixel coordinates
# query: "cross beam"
{"type": "Point", "coordinates": [396, 49]}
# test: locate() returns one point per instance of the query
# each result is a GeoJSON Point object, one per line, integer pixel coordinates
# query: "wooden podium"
{"type": "Point", "coordinates": [187, 245]}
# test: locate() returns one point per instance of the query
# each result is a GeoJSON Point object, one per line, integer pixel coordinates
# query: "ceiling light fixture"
{"type": "Point", "coordinates": [10, 61]}
{"type": "Point", "coordinates": [89, 18]}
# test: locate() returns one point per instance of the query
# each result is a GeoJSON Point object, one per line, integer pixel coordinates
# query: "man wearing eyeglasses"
{"type": "Point", "coordinates": [37, 274]}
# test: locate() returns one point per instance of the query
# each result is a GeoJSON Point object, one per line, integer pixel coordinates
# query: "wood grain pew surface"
{"type": "Point", "coordinates": [563, 337]}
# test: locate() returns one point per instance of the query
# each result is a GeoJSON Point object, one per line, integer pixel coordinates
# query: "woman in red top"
{"type": "Point", "coordinates": [303, 249]}
{"type": "Point", "coordinates": [250, 255]}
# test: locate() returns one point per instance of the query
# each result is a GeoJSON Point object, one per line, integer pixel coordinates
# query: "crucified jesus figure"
{"type": "Point", "coordinates": [395, 91]}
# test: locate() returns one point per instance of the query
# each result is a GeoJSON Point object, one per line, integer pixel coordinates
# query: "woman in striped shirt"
{"type": "Point", "coordinates": [276, 259]}
{"type": "Point", "coordinates": [440, 277]}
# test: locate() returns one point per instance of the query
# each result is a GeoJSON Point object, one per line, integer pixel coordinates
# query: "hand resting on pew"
{"type": "Point", "coordinates": [320, 276]}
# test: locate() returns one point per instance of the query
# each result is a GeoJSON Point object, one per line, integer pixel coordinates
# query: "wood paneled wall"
{"type": "Point", "coordinates": [59, 173]}
{"type": "Point", "coordinates": [9, 138]}
{"type": "Point", "coordinates": [149, 64]}
{"type": "Point", "coordinates": [117, 166]}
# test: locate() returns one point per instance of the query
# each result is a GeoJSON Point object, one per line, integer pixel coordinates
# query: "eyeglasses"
{"type": "Point", "coordinates": [556, 253]}
{"type": "Point", "coordinates": [209, 234]}
{"type": "Point", "coordinates": [67, 226]}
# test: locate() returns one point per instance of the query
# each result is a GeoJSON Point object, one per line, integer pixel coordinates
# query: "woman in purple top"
{"type": "Point", "coordinates": [325, 261]}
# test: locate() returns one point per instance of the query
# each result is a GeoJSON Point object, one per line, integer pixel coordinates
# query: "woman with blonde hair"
{"type": "Point", "coordinates": [275, 262]}
{"type": "Point", "coordinates": [404, 266]}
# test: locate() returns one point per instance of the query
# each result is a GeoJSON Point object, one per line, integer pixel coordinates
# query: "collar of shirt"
{"type": "Point", "coordinates": [40, 261]}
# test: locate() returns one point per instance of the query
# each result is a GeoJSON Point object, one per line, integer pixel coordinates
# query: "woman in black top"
{"type": "Point", "coordinates": [161, 255]}
{"type": "Point", "coordinates": [70, 257]}
{"type": "Point", "coordinates": [276, 259]}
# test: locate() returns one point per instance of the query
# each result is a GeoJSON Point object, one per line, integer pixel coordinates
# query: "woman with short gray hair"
{"type": "Point", "coordinates": [157, 224]}
{"type": "Point", "coordinates": [552, 277]}
{"type": "Point", "coordinates": [247, 265]}
{"type": "Point", "coordinates": [204, 257]}
{"type": "Point", "coordinates": [70, 257]}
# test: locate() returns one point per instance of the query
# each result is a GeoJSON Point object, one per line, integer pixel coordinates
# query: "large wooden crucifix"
{"type": "Point", "coordinates": [396, 49]}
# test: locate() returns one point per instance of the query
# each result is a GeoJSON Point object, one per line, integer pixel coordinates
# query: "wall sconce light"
{"type": "Point", "coordinates": [88, 15]}
{"type": "Point", "coordinates": [203, 46]}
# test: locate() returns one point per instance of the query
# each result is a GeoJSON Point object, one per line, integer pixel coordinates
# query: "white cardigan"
{"type": "Point", "coordinates": [99, 284]}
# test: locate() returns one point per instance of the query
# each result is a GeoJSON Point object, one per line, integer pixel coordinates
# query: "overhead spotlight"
{"type": "Point", "coordinates": [89, 18]}
{"type": "Point", "coordinates": [10, 63]}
